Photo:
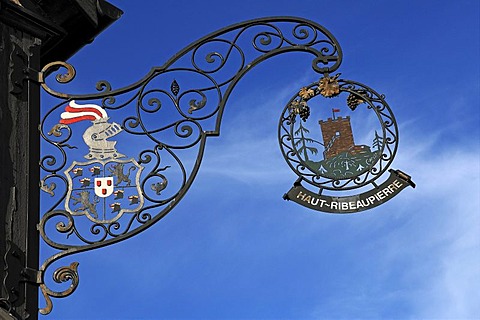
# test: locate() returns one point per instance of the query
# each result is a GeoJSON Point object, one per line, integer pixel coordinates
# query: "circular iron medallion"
{"type": "Point", "coordinates": [338, 135]}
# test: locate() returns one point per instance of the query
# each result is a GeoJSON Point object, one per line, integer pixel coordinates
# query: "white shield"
{"type": "Point", "coordinates": [104, 186]}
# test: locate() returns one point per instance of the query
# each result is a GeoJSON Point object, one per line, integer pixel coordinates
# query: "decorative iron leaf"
{"type": "Point", "coordinates": [194, 105]}
{"type": "Point", "coordinates": [175, 87]}
{"type": "Point", "coordinates": [312, 150]}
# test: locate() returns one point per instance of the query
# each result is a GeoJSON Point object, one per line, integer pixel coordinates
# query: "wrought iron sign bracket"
{"type": "Point", "coordinates": [117, 161]}
{"type": "Point", "coordinates": [14, 264]}
{"type": "Point", "coordinates": [31, 275]}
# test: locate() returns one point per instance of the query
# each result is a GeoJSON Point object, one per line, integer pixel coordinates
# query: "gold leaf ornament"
{"type": "Point", "coordinates": [306, 93]}
{"type": "Point", "coordinates": [328, 86]}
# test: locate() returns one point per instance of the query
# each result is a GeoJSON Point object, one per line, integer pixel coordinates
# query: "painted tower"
{"type": "Point", "coordinates": [337, 136]}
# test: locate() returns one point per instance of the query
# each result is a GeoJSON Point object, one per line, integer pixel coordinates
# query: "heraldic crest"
{"type": "Point", "coordinates": [108, 185]}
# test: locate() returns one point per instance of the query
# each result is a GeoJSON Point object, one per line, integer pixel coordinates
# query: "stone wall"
{"type": "Point", "coordinates": [337, 136]}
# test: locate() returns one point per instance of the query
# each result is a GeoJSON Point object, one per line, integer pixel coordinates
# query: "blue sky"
{"type": "Point", "coordinates": [233, 248]}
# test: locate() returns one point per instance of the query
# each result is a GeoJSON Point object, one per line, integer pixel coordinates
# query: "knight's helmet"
{"type": "Point", "coordinates": [95, 136]}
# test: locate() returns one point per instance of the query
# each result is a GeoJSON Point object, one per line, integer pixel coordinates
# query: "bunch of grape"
{"type": "Point", "coordinates": [304, 112]}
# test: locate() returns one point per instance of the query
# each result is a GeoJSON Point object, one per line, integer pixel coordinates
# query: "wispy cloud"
{"type": "Point", "coordinates": [448, 238]}
{"type": "Point", "coordinates": [248, 150]}
{"type": "Point", "coordinates": [427, 260]}
{"type": "Point", "coordinates": [439, 244]}
{"type": "Point", "coordinates": [421, 259]}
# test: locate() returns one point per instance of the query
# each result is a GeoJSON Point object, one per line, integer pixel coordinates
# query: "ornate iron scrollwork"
{"type": "Point", "coordinates": [131, 169]}
{"type": "Point", "coordinates": [332, 175]}
{"type": "Point", "coordinates": [344, 164]}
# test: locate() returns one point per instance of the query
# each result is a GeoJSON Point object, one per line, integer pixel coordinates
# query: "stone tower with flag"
{"type": "Point", "coordinates": [337, 136]}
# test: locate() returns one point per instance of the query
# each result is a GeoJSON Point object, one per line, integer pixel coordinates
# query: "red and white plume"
{"type": "Point", "coordinates": [76, 112]}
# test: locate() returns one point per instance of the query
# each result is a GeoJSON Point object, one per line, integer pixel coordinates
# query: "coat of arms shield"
{"type": "Point", "coordinates": [103, 190]}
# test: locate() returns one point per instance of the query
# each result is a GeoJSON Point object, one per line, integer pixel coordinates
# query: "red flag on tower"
{"type": "Point", "coordinates": [333, 112]}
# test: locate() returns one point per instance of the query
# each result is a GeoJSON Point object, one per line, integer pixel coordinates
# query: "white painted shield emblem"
{"type": "Point", "coordinates": [104, 186]}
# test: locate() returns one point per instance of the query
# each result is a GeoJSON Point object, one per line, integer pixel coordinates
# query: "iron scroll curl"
{"type": "Point", "coordinates": [192, 88]}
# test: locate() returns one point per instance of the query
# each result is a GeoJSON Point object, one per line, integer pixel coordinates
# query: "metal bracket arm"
{"type": "Point", "coordinates": [33, 75]}
{"type": "Point", "coordinates": [151, 176]}
{"type": "Point", "coordinates": [32, 276]}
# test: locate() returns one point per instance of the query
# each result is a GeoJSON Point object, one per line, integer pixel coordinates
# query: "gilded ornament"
{"type": "Point", "coordinates": [306, 93]}
{"type": "Point", "coordinates": [353, 100]}
{"type": "Point", "coordinates": [328, 86]}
